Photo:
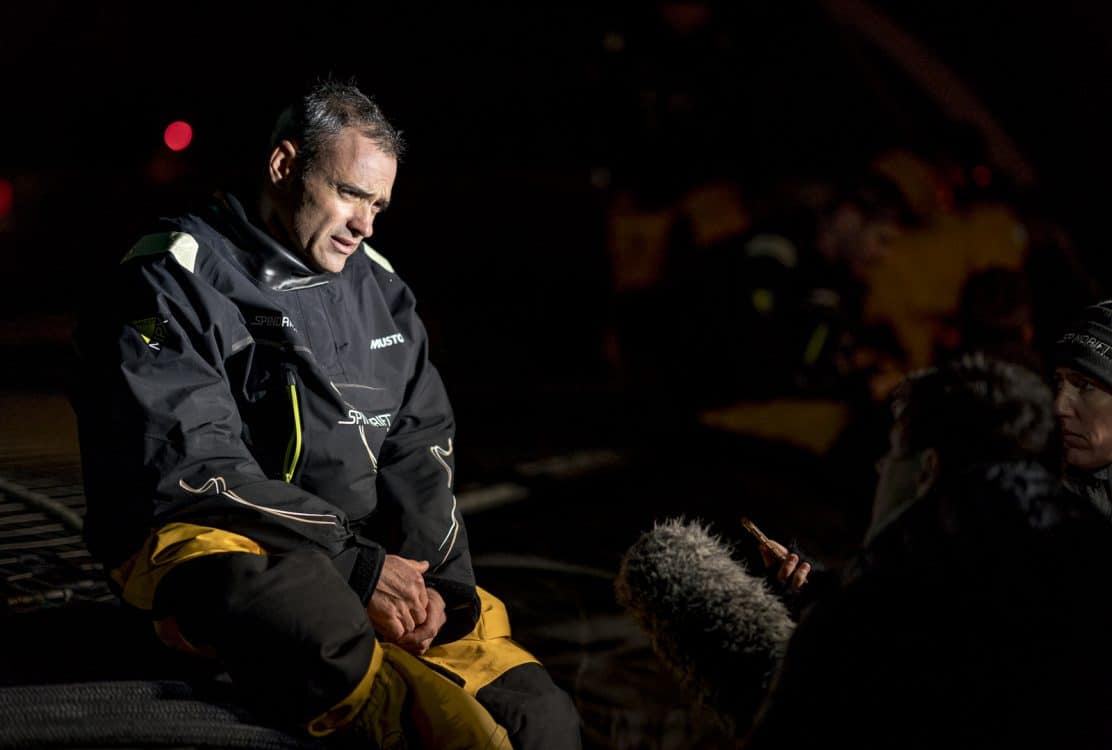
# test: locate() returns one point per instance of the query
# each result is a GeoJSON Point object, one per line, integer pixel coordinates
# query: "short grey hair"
{"type": "Point", "coordinates": [324, 111]}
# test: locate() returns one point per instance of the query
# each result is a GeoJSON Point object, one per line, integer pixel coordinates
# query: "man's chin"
{"type": "Point", "coordinates": [334, 257]}
{"type": "Point", "coordinates": [329, 262]}
{"type": "Point", "coordinates": [1083, 460]}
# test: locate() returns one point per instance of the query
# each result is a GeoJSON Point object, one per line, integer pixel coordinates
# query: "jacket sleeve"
{"type": "Point", "coordinates": [160, 429]}
{"type": "Point", "coordinates": [418, 514]}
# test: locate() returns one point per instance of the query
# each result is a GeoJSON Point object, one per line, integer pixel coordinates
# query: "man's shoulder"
{"type": "Point", "coordinates": [189, 242]}
{"type": "Point", "coordinates": [182, 259]}
{"type": "Point", "coordinates": [370, 263]}
{"type": "Point", "coordinates": [374, 271]}
{"type": "Point", "coordinates": [379, 261]}
{"type": "Point", "coordinates": [170, 243]}
{"type": "Point", "coordinates": [178, 238]}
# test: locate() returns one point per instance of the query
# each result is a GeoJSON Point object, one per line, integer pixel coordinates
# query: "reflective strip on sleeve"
{"type": "Point", "coordinates": [165, 549]}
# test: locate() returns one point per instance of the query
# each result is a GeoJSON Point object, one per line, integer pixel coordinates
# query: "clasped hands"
{"type": "Point", "coordinates": [402, 609]}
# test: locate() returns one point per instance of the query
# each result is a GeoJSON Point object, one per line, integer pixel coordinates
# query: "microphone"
{"type": "Point", "coordinates": [720, 630]}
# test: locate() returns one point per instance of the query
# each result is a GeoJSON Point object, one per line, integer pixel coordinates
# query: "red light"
{"type": "Point", "coordinates": [178, 135]}
{"type": "Point", "coordinates": [7, 197]}
{"type": "Point", "coordinates": [982, 176]}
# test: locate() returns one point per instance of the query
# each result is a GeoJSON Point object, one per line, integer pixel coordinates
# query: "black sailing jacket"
{"type": "Point", "coordinates": [224, 383]}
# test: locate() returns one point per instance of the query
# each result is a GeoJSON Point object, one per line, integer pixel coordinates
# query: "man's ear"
{"type": "Point", "coordinates": [930, 465]}
{"type": "Point", "coordinates": [282, 163]}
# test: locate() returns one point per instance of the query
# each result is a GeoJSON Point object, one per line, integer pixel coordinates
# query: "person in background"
{"type": "Point", "coordinates": [972, 614]}
{"type": "Point", "coordinates": [995, 317]}
{"type": "Point", "coordinates": [790, 292]}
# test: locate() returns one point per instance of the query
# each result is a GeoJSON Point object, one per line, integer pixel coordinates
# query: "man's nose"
{"type": "Point", "coordinates": [1063, 404]}
{"type": "Point", "coordinates": [362, 222]}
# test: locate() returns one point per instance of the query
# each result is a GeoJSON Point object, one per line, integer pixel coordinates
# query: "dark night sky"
{"type": "Point", "coordinates": [508, 108]}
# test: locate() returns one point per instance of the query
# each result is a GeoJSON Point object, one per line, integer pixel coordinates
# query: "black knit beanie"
{"type": "Point", "coordinates": [1086, 344]}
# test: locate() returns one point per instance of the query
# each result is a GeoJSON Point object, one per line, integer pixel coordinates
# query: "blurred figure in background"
{"type": "Point", "coordinates": [652, 235]}
{"type": "Point", "coordinates": [964, 225]}
{"type": "Point", "coordinates": [778, 309]}
{"type": "Point", "coordinates": [670, 145]}
{"type": "Point", "coordinates": [995, 317]}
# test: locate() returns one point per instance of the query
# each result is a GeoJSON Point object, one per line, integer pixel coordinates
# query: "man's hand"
{"type": "Point", "coordinates": [791, 570]}
{"type": "Point", "coordinates": [400, 601]}
{"type": "Point", "coordinates": [418, 641]}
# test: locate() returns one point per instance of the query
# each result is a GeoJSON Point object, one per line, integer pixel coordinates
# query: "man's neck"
{"type": "Point", "coordinates": [877, 525]}
{"type": "Point", "coordinates": [267, 212]}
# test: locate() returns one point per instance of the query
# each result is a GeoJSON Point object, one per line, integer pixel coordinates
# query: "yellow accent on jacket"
{"type": "Point", "coordinates": [487, 652]}
{"type": "Point", "coordinates": [166, 548]}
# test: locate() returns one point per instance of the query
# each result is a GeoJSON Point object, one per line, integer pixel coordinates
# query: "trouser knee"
{"type": "Point", "coordinates": [535, 712]}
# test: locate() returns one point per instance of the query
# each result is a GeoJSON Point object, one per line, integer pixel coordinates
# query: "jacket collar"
{"type": "Point", "coordinates": [1093, 486]}
{"type": "Point", "coordinates": [269, 262]}
{"type": "Point", "coordinates": [982, 502]}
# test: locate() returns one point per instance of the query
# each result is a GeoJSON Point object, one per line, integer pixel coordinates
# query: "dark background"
{"type": "Point", "coordinates": [521, 119]}
{"type": "Point", "coordinates": [524, 122]}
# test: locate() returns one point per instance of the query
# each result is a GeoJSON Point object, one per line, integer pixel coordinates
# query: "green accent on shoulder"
{"type": "Point", "coordinates": [181, 245]}
{"type": "Point", "coordinates": [153, 330]}
{"type": "Point", "coordinates": [378, 257]}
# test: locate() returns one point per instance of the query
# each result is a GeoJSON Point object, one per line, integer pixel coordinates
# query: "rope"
{"type": "Point", "coordinates": [46, 504]}
{"type": "Point", "coordinates": [132, 714]}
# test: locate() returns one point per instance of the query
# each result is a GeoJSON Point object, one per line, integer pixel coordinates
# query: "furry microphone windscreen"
{"type": "Point", "coordinates": [719, 629]}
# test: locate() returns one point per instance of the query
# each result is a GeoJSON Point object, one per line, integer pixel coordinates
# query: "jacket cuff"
{"type": "Point", "coordinates": [367, 567]}
{"type": "Point", "coordinates": [461, 606]}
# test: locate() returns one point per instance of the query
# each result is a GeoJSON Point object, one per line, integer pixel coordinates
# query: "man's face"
{"type": "Point", "coordinates": [1084, 412]}
{"type": "Point", "coordinates": [900, 476]}
{"type": "Point", "coordinates": [340, 195]}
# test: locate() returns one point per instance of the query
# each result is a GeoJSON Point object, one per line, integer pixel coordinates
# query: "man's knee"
{"type": "Point", "coordinates": [536, 713]}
